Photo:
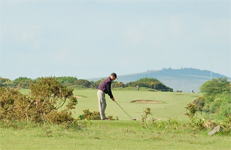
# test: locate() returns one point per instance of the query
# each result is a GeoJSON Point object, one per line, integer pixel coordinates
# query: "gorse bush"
{"type": "Point", "coordinates": [191, 110]}
{"type": "Point", "coordinates": [13, 104]}
{"type": "Point", "coordinates": [43, 104]}
{"type": "Point", "coordinates": [199, 102]}
{"type": "Point", "coordinates": [95, 115]}
{"type": "Point", "coordinates": [59, 116]}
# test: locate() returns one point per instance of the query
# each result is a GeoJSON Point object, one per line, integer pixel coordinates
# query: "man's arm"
{"type": "Point", "coordinates": [109, 90]}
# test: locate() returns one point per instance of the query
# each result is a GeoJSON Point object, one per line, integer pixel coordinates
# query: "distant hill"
{"type": "Point", "coordinates": [185, 79]}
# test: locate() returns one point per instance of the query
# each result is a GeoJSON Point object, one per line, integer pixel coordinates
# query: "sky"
{"type": "Point", "coordinates": [88, 39]}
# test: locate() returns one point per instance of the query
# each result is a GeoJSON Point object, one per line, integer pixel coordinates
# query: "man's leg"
{"type": "Point", "coordinates": [102, 103]}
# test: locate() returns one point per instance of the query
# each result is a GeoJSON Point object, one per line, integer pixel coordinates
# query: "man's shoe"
{"type": "Point", "coordinates": [106, 119]}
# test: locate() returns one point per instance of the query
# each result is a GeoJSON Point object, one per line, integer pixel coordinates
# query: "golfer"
{"type": "Point", "coordinates": [105, 88]}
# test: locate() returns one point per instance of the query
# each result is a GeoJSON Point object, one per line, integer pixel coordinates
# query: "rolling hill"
{"type": "Point", "coordinates": [185, 79]}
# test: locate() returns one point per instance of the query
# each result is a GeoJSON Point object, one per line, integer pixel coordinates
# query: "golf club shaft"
{"type": "Point", "coordinates": [123, 110]}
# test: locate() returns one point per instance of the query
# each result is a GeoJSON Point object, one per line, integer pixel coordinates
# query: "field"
{"type": "Point", "coordinates": [122, 134]}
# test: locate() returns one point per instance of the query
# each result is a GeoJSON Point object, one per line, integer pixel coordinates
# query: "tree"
{"type": "Point", "coordinates": [82, 82]}
{"type": "Point", "coordinates": [214, 87]}
{"type": "Point", "coordinates": [95, 84]}
{"type": "Point", "coordinates": [149, 83]}
{"type": "Point", "coordinates": [4, 82]}
{"type": "Point", "coordinates": [217, 97]}
{"type": "Point", "coordinates": [65, 80]}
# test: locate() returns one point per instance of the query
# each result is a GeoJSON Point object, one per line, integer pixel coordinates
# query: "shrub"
{"type": "Point", "coordinates": [191, 110]}
{"type": "Point", "coordinates": [90, 115]}
{"type": "Point", "coordinates": [47, 97]}
{"type": "Point", "coordinates": [200, 103]}
{"type": "Point", "coordinates": [146, 112]}
{"type": "Point", "coordinates": [59, 117]}
{"type": "Point", "coordinates": [12, 104]}
{"type": "Point", "coordinates": [95, 115]}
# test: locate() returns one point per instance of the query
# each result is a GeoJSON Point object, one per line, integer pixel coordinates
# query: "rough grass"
{"type": "Point", "coordinates": [111, 135]}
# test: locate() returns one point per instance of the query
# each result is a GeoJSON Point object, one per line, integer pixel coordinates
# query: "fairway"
{"type": "Point", "coordinates": [172, 106]}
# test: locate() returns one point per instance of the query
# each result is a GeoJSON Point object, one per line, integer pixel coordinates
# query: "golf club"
{"type": "Point", "coordinates": [125, 111]}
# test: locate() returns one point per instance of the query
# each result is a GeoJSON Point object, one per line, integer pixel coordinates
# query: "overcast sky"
{"type": "Point", "coordinates": [88, 39]}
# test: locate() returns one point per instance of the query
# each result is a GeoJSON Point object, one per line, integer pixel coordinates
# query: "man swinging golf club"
{"type": "Point", "coordinates": [105, 88]}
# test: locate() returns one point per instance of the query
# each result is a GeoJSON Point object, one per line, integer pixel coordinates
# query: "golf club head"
{"type": "Point", "coordinates": [134, 119]}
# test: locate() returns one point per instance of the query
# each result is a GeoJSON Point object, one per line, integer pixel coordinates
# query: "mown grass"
{"type": "Point", "coordinates": [173, 105]}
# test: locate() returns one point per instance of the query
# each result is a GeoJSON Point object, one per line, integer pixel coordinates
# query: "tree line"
{"type": "Point", "coordinates": [73, 82]}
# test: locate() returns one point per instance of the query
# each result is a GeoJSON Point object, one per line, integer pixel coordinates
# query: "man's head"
{"type": "Point", "coordinates": [113, 76]}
